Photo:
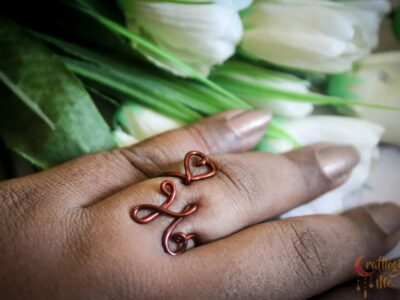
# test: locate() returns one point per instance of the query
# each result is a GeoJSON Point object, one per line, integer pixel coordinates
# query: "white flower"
{"type": "Point", "coordinates": [140, 123]}
{"type": "Point", "coordinates": [363, 135]}
{"type": "Point", "coordinates": [201, 35]}
{"type": "Point", "coordinates": [283, 108]}
{"type": "Point", "coordinates": [122, 138]}
{"type": "Point", "coordinates": [317, 35]}
{"type": "Point", "coordinates": [375, 79]}
{"type": "Point", "coordinates": [274, 83]}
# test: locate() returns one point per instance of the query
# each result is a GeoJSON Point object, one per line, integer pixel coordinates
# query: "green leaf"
{"type": "Point", "coordinates": [150, 48]}
{"type": "Point", "coordinates": [88, 30]}
{"type": "Point", "coordinates": [25, 99]}
{"type": "Point", "coordinates": [246, 80]}
{"type": "Point", "coordinates": [340, 85]}
{"type": "Point", "coordinates": [177, 98]}
{"type": "Point", "coordinates": [396, 23]}
{"type": "Point", "coordinates": [126, 86]}
{"type": "Point", "coordinates": [38, 73]}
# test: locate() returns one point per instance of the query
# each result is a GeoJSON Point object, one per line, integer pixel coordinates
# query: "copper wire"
{"type": "Point", "coordinates": [168, 188]}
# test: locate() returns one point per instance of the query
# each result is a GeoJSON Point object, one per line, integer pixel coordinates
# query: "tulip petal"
{"type": "Point", "coordinates": [377, 78]}
{"type": "Point", "coordinates": [321, 36]}
{"type": "Point", "coordinates": [123, 139]}
{"type": "Point", "coordinates": [201, 35]}
{"type": "Point", "coordinates": [141, 123]}
{"type": "Point", "coordinates": [254, 76]}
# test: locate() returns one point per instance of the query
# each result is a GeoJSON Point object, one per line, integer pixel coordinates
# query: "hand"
{"type": "Point", "coordinates": [67, 232]}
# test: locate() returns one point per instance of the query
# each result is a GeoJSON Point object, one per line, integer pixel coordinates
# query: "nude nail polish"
{"type": "Point", "coordinates": [337, 161]}
{"type": "Point", "coordinates": [249, 122]}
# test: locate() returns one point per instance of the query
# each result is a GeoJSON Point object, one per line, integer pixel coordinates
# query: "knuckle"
{"type": "Point", "coordinates": [13, 196]}
{"type": "Point", "coordinates": [207, 138]}
{"type": "Point", "coordinates": [147, 158]}
{"type": "Point", "coordinates": [307, 245]}
{"type": "Point", "coordinates": [106, 163]}
{"type": "Point", "coordinates": [241, 185]}
{"type": "Point", "coordinates": [8, 190]}
{"type": "Point", "coordinates": [84, 167]}
{"type": "Point", "coordinates": [14, 205]}
{"type": "Point", "coordinates": [102, 159]}
{"type": "Point", "coordinates": [203, 137]}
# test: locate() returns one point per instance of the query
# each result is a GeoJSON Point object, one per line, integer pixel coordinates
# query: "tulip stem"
{"type": "Point", "coordinates": [117, 28]}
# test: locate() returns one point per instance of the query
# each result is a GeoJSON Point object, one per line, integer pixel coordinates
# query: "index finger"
{"type": "Point", "coordinates": [96, 176]}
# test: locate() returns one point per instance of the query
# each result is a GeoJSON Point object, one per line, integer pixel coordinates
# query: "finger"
{"type": "Point", "coordinates": [288, 259]}
{"type": "Point", "coordinates": [96, 176]}
{"type": "Point", "coordinates": [247, 189]}
{"type": "Point", "coordinates": [232, 131]}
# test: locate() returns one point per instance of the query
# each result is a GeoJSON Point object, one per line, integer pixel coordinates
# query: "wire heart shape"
{"type": "Point", "coordinates": [188, 176]}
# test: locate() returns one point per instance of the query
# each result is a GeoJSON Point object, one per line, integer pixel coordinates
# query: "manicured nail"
{"type": "Point", "coordinates": [249, 122]}
{"type": "Point", "coordinates": [386, 216]}
{"type": "Point", "coordinates": [337, 161]}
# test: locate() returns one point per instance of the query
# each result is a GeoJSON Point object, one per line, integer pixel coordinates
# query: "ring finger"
{"type": "Point", "coordinates": [247, 189]}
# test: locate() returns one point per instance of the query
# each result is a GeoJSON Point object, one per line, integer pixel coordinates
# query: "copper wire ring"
{"type": "Point", "coordinates": [168, 188]}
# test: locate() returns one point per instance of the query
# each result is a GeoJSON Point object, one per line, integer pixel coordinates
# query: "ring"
{"type": "Point", "coordinates": [168, 188]}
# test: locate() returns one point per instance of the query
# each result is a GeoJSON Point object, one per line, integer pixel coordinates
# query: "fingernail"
{"type": "Point", "coordinates": [386, 216]}
{"type": "Point", "coordinates": [337, 161]}
{"type": "Point", "coordinates": [249, 122]}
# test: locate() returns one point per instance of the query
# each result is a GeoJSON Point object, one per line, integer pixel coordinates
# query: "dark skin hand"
{"type": "Point", "coordinates": [67, 233]}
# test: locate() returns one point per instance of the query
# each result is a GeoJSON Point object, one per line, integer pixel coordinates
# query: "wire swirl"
{"type": "Point", "coordinates": [168, 188]}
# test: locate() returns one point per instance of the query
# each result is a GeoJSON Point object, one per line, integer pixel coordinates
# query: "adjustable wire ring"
{"type": "Point", "coordinates": [168, 188]}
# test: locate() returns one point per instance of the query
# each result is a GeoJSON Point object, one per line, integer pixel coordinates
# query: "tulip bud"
{"type": "Point", "coordinates": [122, 139]}
{"type": "Point", "coordinates": [140, 123]}
{"type": "Point", "coordinates": [323, 36]}
{"type": "Point", "coordinates": [200, 35]}
{"type": "Point", "coordinates": [275, 84]}
{"type": "Point", "coordinates": [375, 79]}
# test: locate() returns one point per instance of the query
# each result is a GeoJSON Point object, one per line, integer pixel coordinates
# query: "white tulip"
{"type": "Point", "coordinates": [201, 35]}
{"type": "Point", "coordinates": [316, 35]}
{"type": "Point", "coordinates": [122, 138]}
{"type": "Point", "coordinates": [256, 76]}
{"type": "Point", "coordinates": [283, 108]}
{"type": "Point", "coordinates": [363, 135]}
{"type": "Point", "coordinates": [141, 123]}
{"type": "Point", "coordinates": [375, 79]}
